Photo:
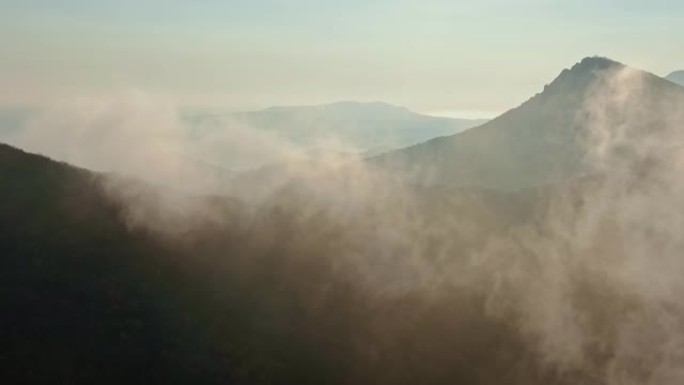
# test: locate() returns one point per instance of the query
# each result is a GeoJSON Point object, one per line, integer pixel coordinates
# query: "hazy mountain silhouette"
{"type": "Point", "coordinates": [542, 141]}
{"type": "Point", "coordinates": [676, 77]}
{"type": "Point", "coordinates": [352, 126]}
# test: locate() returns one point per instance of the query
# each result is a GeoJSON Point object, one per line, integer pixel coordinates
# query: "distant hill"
{"type": "Point", "coordinates": [235, 141]}
{"type": "Point", "coordinates": [676, 77]}
{"type": "Point", "coordinates": [544, 140]}
{"type": "Point", "coordinates": [345, 127]}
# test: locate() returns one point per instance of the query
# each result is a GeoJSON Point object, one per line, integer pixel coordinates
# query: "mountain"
{"type": "Point", "coordinates": [547, 139]}
{"type": "Point", "coordinates": [79, 288]}
{"type": "Point", "coordinates": [339, 127]}
{"type": "Point", "coordinates": [265, 295]}
{"type": "Point", "coordinates": [676, 77]}
{"type": "Point", "coordinates": [342, 276]}
{"type": "Point", "coordinates": [87, 295]}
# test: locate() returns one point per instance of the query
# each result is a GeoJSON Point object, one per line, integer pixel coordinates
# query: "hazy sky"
{"type": "Point", "coordinates": [435, 56]}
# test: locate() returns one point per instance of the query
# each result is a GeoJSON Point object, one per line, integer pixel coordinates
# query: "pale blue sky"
{"type": "Point", "coordinates": [435, 56]}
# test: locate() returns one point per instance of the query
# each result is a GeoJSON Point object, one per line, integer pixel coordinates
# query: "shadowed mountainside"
{"type": "Point", "coordinates": [88, 296]}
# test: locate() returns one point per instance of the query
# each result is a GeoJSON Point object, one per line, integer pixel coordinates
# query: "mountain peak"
{"type": "Point", "coordinates": [542, 141]}
{"type": "Point", "coordinates": [595, 63]}
{"type": "Point", "coordinates": [581, 75]}
{"type": "Point", "coordinates": [588, 66]}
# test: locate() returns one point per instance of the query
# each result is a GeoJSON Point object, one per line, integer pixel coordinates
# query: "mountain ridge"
{"type": "Point", "coordinates": [354, 127]}
{"type": "Point", "coordinates": [542, 141]}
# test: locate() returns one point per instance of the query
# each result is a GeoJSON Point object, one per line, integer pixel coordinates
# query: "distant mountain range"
{"type": "Point", "coordinates": [345, 127]}
{"type": "Point", "coordinates": [246, 140]}
{"type": "Point", "coordinates": [543, 141]}
{"type": "Point", "coordinates": [676, 77]}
